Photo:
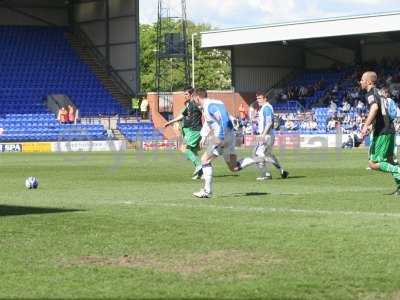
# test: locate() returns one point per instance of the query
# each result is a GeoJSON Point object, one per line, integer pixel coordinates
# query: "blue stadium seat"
{"type": "Point", "coordinates": [37, 61]}
{"type": "Point", "coordinates": [139, 131]}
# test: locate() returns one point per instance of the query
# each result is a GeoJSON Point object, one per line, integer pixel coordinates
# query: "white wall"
{"type": "Point", "coordinates": [314, 61]}
{"type": "Point", "coordinates": [263, 66]}
{"type": "Point", "coordinates": [253, 79]}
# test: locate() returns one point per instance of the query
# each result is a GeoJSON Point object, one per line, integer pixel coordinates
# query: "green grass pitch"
{"type": "Point", "coordinates": [126, 226]}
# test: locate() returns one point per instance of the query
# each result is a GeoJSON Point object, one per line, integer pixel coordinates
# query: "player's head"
{"type": "Point", "coordinates": [261, 97]}
{"type": "Point", "coordinates": [385, 92]}
{"type": "Point", "coordinates": [199, 95]}
{"type": "Point", "coordinates": [368, 80]}
{"type": "Point", "coordinates": [188, 93]}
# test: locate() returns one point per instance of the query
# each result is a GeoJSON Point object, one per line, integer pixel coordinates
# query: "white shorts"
{"type": "Point", "coordinates": [264, 148]}
{"type": "Point", "coordinates": [226, 148]}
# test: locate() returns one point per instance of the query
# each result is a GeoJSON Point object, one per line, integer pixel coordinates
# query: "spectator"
{"type": "Point", "coordinates": [248, 129]}
{"type": "Point", "coordinates": [395, 92]}
{"type": "Point", "coordinates": [303, 91]}
{"type": "Point", "coordinates": [242, 112]}
{"type": "Point", "coordinates": [135, 106]}
{"type": "Point", "coordinates": [289, 125]}
{"type": "Point", "coordinates": [354, 94]}
{"type": "Point", "coordinates": [62, 115]}
{"type": "Point", "coordinates": [352, 140]}
{"type": "Point", "coordinates": [144, 107]}
{"type": "Point", "coordinates": [312, 125]}
{"type": "Point", "coordinates": [331, 124]}
{"type": "Point", "coordinates": [71, 114]}
{"type": "Point", "coordinates": [346, 106]}
{"type": "Point", "coordinates": [332, 107]}
{"type": "Point", "coordinates": [359, 119]}
{"type": "Point", "coordinates": [253, 112]}
{"type": "Point", "coordinates": [389, 80]}
{"type": "Point", "coordinates": [360, 106]}
{"type": "Point", "coordinates": [335, 89]}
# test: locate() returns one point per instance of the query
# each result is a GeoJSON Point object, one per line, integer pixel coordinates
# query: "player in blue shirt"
{"type": "Point", "coordinates": [266, 138]}
{"type": "Point", "coordinates": [218, 133]}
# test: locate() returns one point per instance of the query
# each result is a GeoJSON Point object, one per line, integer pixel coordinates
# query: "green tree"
{"type": "Point", "coordinates": [212, 66]}
{"type": "Point", "coordinates": [148, 46]}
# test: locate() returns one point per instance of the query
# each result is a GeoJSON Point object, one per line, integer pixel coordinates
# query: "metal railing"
{"type": "Point", "coordinates": [115, 77]}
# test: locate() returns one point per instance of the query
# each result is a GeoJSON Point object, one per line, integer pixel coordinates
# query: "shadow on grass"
{"type": "Point", "coordinates": [226, 175]}
{"type": "Point", "coordinates": [12, 210]}
{"type": "Point", "coordinates": [255, 194]}
{"type": "Point", "coordinates": [250, 194]}
{"type": "Point", "coordinates": [295, 177]}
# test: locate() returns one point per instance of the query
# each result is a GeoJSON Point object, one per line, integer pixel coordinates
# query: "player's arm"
{"type": "Point", "coordinates": [373, 111]}
{"type": "Point", "coordinates": [177, 119]}
{"type": "Point", "coordinates": [205, 132]}
{"type": "Point", "coordinates": [267, 128]}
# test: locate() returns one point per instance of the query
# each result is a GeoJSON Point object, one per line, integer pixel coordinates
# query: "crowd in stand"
{"type": "Point", "coordinates": [296, 121]}
{"type": "Point", "coordinates": [346, 103]}
{"type": "Point", "coordinates": [302, 91]}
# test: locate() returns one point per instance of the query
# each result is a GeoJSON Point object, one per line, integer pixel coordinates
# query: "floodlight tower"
{"type": "Point", "coordinates": [172, 47]}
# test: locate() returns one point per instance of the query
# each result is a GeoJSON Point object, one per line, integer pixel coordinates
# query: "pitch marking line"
{"type": "Point", "coordinates": [265, 209]}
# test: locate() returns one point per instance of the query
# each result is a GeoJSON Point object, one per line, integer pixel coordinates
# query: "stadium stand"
{"type": "Point", "coordinates": [39, 61]}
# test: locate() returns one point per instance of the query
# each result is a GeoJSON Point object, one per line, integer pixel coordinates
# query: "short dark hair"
{"type": "Point", "coordinates": [202, 93]}
{"type": "Point", "coordinates": [189, 90]}
{"type": "Point", "coordinates": [261, 93]}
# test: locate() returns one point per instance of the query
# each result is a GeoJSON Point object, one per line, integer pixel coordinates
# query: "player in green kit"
{"type": "Point", "coordinates": [191, 125]}
{"type": "Point", "coordinates": [383, 138]}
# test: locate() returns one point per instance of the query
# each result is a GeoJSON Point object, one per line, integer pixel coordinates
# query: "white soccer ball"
{"type": "Point", "coordinates": [31, 183]}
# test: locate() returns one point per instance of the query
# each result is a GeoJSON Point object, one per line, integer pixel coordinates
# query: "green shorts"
{"type": "Point", "coordinates": [382, 148]}
{"type": "Point", "coordinates": [192, 137]}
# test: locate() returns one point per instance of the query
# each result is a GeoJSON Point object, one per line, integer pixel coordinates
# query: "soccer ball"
{"type": "Point", "coordinates": [31, 183]}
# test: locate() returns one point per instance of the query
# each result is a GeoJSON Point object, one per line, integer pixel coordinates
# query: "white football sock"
{"type": "Point", "coordinates": [207, 173]}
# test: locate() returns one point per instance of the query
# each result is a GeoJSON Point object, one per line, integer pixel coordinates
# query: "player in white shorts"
{"type": "Point", "coordinates": [218, 133]}
{"type": "Point", "coordinates": [266, 138]}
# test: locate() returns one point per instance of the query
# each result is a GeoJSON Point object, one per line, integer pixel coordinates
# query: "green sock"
{"type": "Point", "coordinates": [389, 168]}
{"type": "Point", "coordinates": [193, 157]}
